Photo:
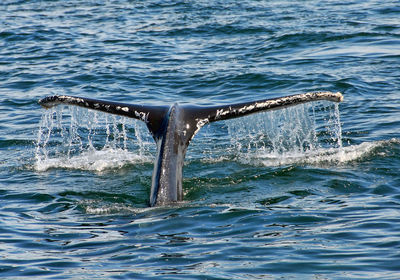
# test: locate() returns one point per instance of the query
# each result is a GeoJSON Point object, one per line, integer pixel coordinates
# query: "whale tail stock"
{"type": "Point", "coordinates": [172, 127]}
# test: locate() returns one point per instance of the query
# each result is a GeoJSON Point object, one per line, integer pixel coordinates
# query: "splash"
{"type": "Point", "coordinates": [74, 138]}
{"type": "Point", "coordinates": [309, 133]}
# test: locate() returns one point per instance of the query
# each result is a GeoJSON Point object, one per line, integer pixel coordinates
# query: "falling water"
{"type": "Point", "coordinates": [71, 137]}
{"type": "Point", "coordinates": [308, 133]}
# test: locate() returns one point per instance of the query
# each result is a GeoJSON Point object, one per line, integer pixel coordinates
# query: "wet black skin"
{"type": "Point", "coordinates": [173, 127]}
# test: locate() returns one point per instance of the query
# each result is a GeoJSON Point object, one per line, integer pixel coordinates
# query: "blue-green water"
{"type": "Point", "coordinates": [304, 193]}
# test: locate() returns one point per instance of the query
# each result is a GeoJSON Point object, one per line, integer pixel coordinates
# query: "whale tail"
{"type": "Point", "coordinates": [196, 116]}
{"type": "Point", "coordinates": [172, 127]}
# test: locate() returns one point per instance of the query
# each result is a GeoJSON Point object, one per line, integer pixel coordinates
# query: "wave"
{"type": "Point", "coordinates": [93, 160]}
{"type": "Point", "coordinates": [329, 156]}
{"type": "Point", "coordinates": [116, 158]}
{"type": "Point", "coordinates": [319, 157]}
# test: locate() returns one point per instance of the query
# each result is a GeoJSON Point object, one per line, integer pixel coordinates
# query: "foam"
{"type": "Point", "coordinates": [97, 207]}
{"type": "Point", "coordinates": [92, 160]}
{"type": "Point", "coordinates": [321, 156]}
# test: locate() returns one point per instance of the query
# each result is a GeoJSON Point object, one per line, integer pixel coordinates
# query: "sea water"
{"type": "Point", "coordinates": [309, 192]}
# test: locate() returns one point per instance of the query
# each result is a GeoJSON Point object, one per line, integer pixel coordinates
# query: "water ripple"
{"type": "Point", "coordinates": [269, 196]}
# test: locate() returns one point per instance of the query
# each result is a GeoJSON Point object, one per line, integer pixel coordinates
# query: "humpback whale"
{"type": "Point", "coordinates": [173, 127]}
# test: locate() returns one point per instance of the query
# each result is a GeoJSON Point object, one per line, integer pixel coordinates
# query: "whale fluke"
{"type": "Point", "coordinates": [172, 128]}
{"type": "Point", "coordinates": [140, 112]}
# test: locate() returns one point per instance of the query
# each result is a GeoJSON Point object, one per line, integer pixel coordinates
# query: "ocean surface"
{"type": "Point", "coordinates": [308, 192]}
